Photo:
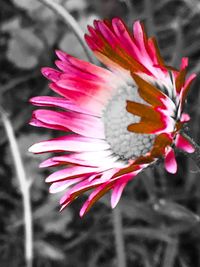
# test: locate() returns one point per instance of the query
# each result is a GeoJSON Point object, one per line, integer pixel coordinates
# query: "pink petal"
{"type": "Point", "coordinates": [62, 185]}
{"type": "Point", "coordinates": [81, 99]}
{"type": "Point", "coordinates": [51, 101]}
{"type": "Point", "coordinates": [48, 119]}
{"type": "Point", "coordinates": [70, 143]}
{"type": "Point", "coordinates": [95, 89]}
{"type": "Point", "coordinates": [118, 188]}
{"type": "Point", "coordinates": [60, 160]}
{"type": "Point", "coordinates": [107, 175]}
{"type": "Point", "coordinates": [84, 66]}
{"type": "Point", "coordinates": [51, 74]}
{"type": "Point", "coordinates": [71, 72]}
{"type": "Point", "coordinates": [107, 34]}
{"type": "Point", "coordinates": [79, 188]}
{"type": "Point", "coordinates": [82, 124]}
{"type": "Point", "coordinates": [124, 38]}
{"type": "Point", "coordinates": [170, 161]}
{"type": "Point", "coordinates": [185, 117]}
{"type": "Point", "coordinates": [94, 196]}
{"type": "Point", "coordinates": [69, 173]}
{"type": "Point", "coordinates": [92, 159]}
{"type": "Point", "coordinates": [183, 144]}
{"type": "Point", "coordinates": [186, 87]}
{"type": "Point", "coordinates": [139, 39]}
{"type": "Point", "coordinates": [116, 193]}
{"type": "Point", "coordinates": [184, 63]}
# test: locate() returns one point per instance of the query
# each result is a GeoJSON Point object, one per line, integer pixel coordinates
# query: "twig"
{"type": "Point", "coordinates": [24, 186]}
{"type": "Point", "coordinates": [70, 21]}
{"type": "Point", "coordinates": [119, 239]}
{"type": "Point", "coordinates": [170, 254]}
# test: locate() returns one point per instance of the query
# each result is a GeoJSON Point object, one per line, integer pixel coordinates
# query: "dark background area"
{"type": "Point", "coordinates": [160, 226]}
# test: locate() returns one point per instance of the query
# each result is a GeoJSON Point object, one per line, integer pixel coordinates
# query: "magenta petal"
{"type": "Point", "coordinates": [84, 185]}
{"type": "Point", "coordinates": [66, 159]}
{"type": "Point", "coordinates": [184, 63]}
{"type": "Point", "coordinates": [84, 66]}
{"type": "Point", "coordinates": [70, 172]}
{"type": "Point", "coordinates": [185, 117]}
{"type": "Point", "coordinates": [124, 37]}
{"type": "Point", "coordinates": [62, 185]}
{"type": "Point", "coordinates": [82, 124]}
{"type": "Point", "coordinates": [51, 101]}
{"type": "Point", "coordinates": [116, 193]}
{"type": "Point", "coordinates": [170, 161]}
{"type": "Point", "coordinates": [80, 98]}
{"type": "Point", "coordinates": [51, 74]}
{"type": "Point", "coordinates": [118, 188]}
{"type": "Point", "coordinates": [92, 159]}
{"type": "Point", "coordinates": [183, 144]}
{"type": "Point", "coordinates": [98, 192]}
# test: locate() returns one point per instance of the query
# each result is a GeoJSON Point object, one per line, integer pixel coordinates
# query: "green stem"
{"type": "Point", "coordinates": [24, 186]}
{"type": "Point", "coordinates": [119, 238]}
{"type": "Point", "coordinates": [70, 21]}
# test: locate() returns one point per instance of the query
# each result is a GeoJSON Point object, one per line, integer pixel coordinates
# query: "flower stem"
{"type": "Point", "coordinates": [196, 155]}
{"type": "Point", "coordinates": [70, 21]}
{"type": "Point", "coordinates": [24, 186]}
{"type": "Point", "coordinates": [119, 239]}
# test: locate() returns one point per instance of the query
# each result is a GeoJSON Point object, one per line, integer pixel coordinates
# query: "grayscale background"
{"type": "Point", "coordinates": [156, 220]}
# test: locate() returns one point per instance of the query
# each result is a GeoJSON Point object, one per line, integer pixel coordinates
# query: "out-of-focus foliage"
{"type": "Point", "coordinates": [160, 211]}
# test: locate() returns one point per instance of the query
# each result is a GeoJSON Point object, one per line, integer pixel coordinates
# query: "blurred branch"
{"type": "Point", "coordinates": [178, 51]}
{"type": "Point", "coordinates": [24, 186]}
{"type": "Point", "coordinates": [148, 233]}
{"type": "Point", "coordinates": [149, 184]}
{"type": "Point", "coordinates": [70, 21]}
{"type": "Point", "coordinates": [119, 238]}
{"type": "Point", "coordinates": [149, 17]}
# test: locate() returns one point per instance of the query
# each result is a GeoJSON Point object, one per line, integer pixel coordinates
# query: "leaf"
{"type": "Point", "coordinates": [48, 251]}
{"type": "Point", "coordinates": [24, 48]}
{"type": "Point", "coordinates": [175, 211]}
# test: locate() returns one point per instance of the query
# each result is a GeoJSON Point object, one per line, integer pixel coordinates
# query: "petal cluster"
{"type": "Point", "coordinates": [85, 92]}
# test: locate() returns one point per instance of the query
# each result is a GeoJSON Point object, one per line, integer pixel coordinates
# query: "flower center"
{"type": "Point", "coordinates": [127, 145]}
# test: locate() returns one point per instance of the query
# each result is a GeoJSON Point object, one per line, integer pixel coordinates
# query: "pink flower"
{"type": "Point", "coordinates": [123, 118]}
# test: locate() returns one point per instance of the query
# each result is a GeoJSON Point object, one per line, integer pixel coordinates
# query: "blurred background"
{"type": "Point", "coordinates": [157, 217]}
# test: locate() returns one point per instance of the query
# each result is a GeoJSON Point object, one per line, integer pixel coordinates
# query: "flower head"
{"type": "Point", "coordinates": [123, 118]}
